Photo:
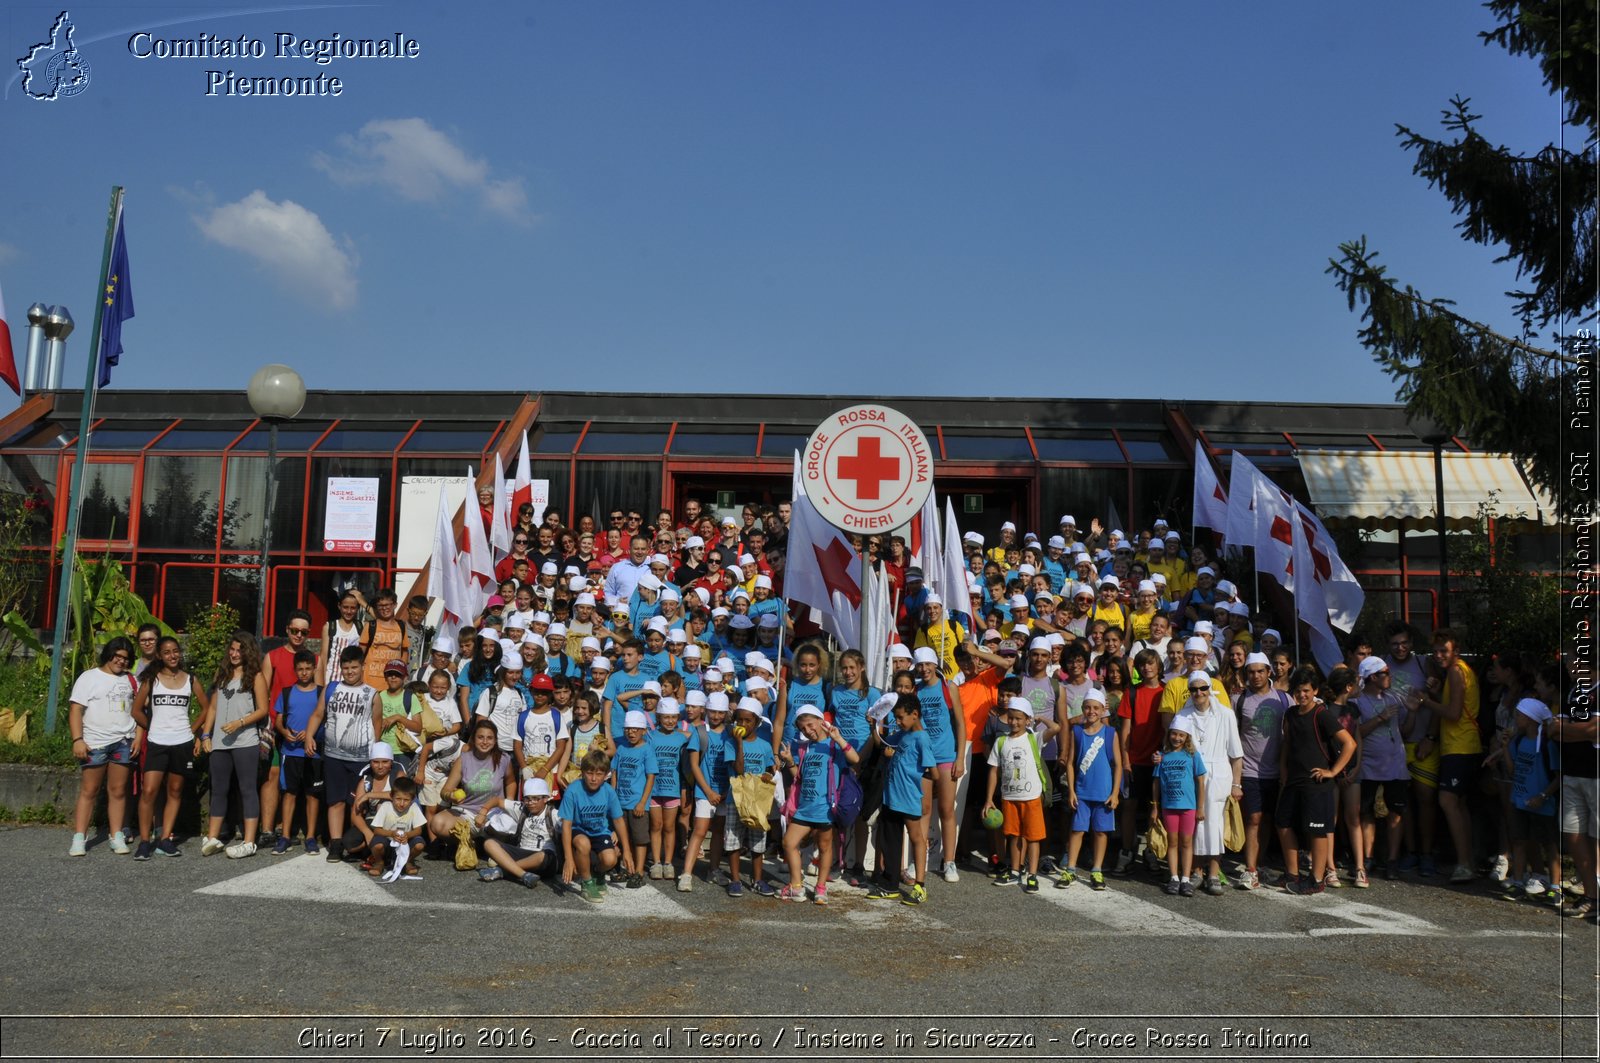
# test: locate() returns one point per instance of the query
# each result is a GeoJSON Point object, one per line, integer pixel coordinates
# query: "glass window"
{"type": "Point", "coordinates": [247, 500]}
{"type": "Point", "coordinates": [1068, 448]}
{"type": "Point", "coordinates": [450, 438]}
{"type": "Point", "coordinates": [782, 444]}
{"type": "Point", "coordinates": [739, 442]}
{"type": "Point", "coordinates": [33, 475]}
{"type": "Point", "coordinates": [551, 442]}
{"type": "Point", "coordinates": [122, 438]}
{"type": "Point", "coordinates": [1333, 442]}
{"type": "Point", "coordinates": [620, 442]}
{"type": "Point", "coordinates": [559, 473]}
{"type": "Point", "coordinates": [178, 502]}
{"type": "Point", "coordinates": [1140, 450]}
{"type": "Point", "coordinates": [215, 437]}
{"type": "Point", "coordinates": [380, 440]}
{"type": "Point", "coordinates": [618, 485]}
{"type": "Point", "coordinates": [298, 437]}
{"type": "Point", "coordinates": [1005, 445]}
{"type": "Point", "coordinates": [1165, 493]}
{"type": "Point", "coordinates": [1402, 443]}
{"type": "Point", "coordinates": [107, 492]}
{"type": "Point", "coordinates": [1085, 493]}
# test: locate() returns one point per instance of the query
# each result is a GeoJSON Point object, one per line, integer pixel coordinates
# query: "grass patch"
{"type": "Point", "coordinates": [51, 815]}
{"type": "Point", "coordinates": [24, 686]}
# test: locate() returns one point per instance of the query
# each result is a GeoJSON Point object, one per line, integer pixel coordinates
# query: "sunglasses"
{"type": "Point", "coordinates": [519, 542]}
{"type": "Point", "coordinates": [299, 631]}
{"type": "Point", "coordinates": [123, 657]}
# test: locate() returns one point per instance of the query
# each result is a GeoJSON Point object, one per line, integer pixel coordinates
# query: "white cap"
{"type": "Point", "coordinates": [1083, 591]}
{"type": "Point", "coordinates": [508, 649]}
{"type": "Point", "coordinates": [899, 651]}
{"type": "Point", "coordinates": [380, 751]}
{"type": "Point", "coordinates": [1027, 570]}
{"type": "Point", "coordinates": [725, 665]}
{"type": "Point", "coordinates": [764, 581]}
{"type": "Point", "coordinates": [677, 636]}
{"type": "Point", "coordinates": [807, 710]}
{"type": "Point", "coordinates": [1057, 543]}
{"type": "Point", "coordinates": [741, 622]}
{"type": "Point", "coordinates": [1019, 601]}
{"type": "Point", "coordinates": [1262, 659]}
{"type": "Point", "coordinates": [769, 621]}
{"type": "Point", "coordinates": [1369, 667]}
{"type": "Point", "coordinates": [1008, 526]}
{"type": "Point", "coordinates": [583, 599]}
{"type": "Point", "coordinates": [549, 568]}
{"type": "Point", "coordinates": [702, 594]}
{"type": "Point", "coordinates": [735, 572]}
{"type": "Point", "coordinates": [711, 675]}
{"type": "Point", "coordinates": [755, 683]}
{"type": "Point", "coordinates": [649, 582]}
{"type": "Point", "coordinates": [933, 599]}
{"type": "Point", "coordinates": [747, 559]}
{"type": "Point", "coordinates": [1199, 676]}
{"type": "Point", "coordinates": [590, 643]}
{"type": "Point", "coordinates": [577, 584]}
{"type": "Point", "coordinates": [536, 787]}
{"type": "Point", "coordinates": [752, 705]}
{"type": "Point", "coordinates": [720, 611]}
{"type": "Point", "coordinates": [1204, 627]}
{"type": "Point", "coordinates": [530, 639]}
{"type": "Point", "coordinates": [444, 644]}
{"type": "Point", "coordinates": [972, 537]}
{"type": "Point", "coordinates": [1039, 643]}
{"type": "Point", "coordinates": [658, 623]}
{"type": "Point", "coordinates": [1056, 638]}
{"type": "Point", "coordinates": [1238, 609]}
{"type": "Point", "coordinates": [659, 559]}
{"type": "Point", "coordinates": [757, 659]}
{"type": "Point", "coordinates": [638, 719]}
{"type": "Point", "coordinates": [1096, 695]}
{"type": "Point", "coordinates": [925, 655]}
{"type": "Point", "coordinates": [1205, 570]}
{"type": "Point", "coordinates": [1161, 522]}
{"type": "Point", "coordinates": [717, 702]}
{"type": "Point", "coordinates": [557, 631]}
{"type": "Point", "coordinates": [695, 697]}
{"type": "Point", "coordinates": [542, 617]}
{"type": "Point", "coordinates": [1067, 518]}
{"type": "Point", "coordinates": [668, 707]}
{"type": "Point", "coordinates": [602, 663]}
{"type": "Point", "coordinates": [1532, 708]}
{"type": "Point", "coordinates": [1172, 537]}
{"type": "Point", "coordinates": [1019, 705]}
{"type": "Point", "coordinates": [1158, 578]}
{"type": "Point", "coordinates": [1146, 586]}
{"type": "Point", "coordinates": [1273, 632]}
{"type": "Point", "coordinates": [1196, 644]}
{"type": "Point", "coordinates": [1157, 544]}
{"type": "Point", "coordinates": [692, 651]}
{"type": "Point", "coordinates": [651, 687]}
{"type": "Point", "coordinates": [1111, 581]}
{"type": "Point", "coordinates": [669, 593]}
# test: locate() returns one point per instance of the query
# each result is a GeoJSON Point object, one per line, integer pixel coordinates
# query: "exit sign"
{"type": "Point", "coordinates": [724, 499]}
{"type": "Point", "coordinates": [972, 503]}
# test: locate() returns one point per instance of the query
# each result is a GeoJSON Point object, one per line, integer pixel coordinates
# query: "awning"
{"type": "Point", "coordinates": [1391, 489]}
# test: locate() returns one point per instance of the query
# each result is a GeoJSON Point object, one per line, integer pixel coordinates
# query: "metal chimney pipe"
{"type": "Point", "coordinates": [58, 325]}
{"type": "Point", "coordinates": [33, 368]}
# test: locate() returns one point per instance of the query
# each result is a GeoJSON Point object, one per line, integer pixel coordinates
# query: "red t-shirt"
{"type": "Point", "coordinates": [1140, 705]}
{"type": "Point", "coordinates": [282, 660]}
{"type": "Point", "coordinates": [979, 695]}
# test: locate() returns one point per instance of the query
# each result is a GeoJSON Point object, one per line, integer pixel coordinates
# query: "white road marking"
{"type": "Point", "coordinates": [1125, 913]}
{"type": "Point", "coordinates": [1370, 919]}
{"type": "Point", "coordinates": [307, 878]}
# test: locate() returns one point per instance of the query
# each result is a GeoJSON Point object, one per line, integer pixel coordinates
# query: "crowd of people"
{"type": "Point", "coordinates": [640, 703]}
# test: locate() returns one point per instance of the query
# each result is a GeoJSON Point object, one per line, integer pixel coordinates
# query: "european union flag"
{"type": "Point", "coordinates": [118, 303]}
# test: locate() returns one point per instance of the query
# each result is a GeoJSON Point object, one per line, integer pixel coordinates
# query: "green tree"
{"type": "Point", "coordinates": [1507, 393]}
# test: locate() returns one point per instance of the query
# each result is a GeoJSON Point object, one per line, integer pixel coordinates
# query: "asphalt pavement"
{"type": "Point", "coordinates": [295, 958]}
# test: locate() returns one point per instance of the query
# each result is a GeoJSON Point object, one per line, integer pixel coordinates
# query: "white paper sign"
{"type": "Point", "coordinates": [350, 525]}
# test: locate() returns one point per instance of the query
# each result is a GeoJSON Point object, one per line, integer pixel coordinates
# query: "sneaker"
{"type": "Point", "coordinates": [1124, 862]}
{"type": "Point", "coordinates": [1289, 882]}
{"type": "Point", "coordinates": [655, 872]}
{"type": "Point", "coordinates": [916, 895]}
{"type": "Point", "coordinates": [79, 846]}
{"type": "Point", "coordinates": [1030, 884]}
{"type": "Point", "coordinates": [1305, 887]}
{"type": "Point", "coordinates": [950, 873]}
{"type": "Point", "coordinates": [1407, 862]}
{"type": "Point", "coordinates": [168, 847]}
{"type": "Point", "coordinates": [908, 875]}
{"type": "Point", "coordinates": [335, 852]}
{"type": "Point", "coordinates": [1552, 898]}
{"type": "Point", "coordinates": [820, 894]}
{"type": "Point", "coordinates": [1331, 880]}
{"type": "Point", "coordinates": [1007, 877]}
{"type": "Point", "coordinates": [635, 881]}
{"type": "Point", "coordinates": [1196, 878]}
{"type": "Point", "coordinates": [240, 850]}
{"type": "Point", "coordinates": [1391, 870]}
{"type": "Point", "coordinates": [1248, 880]}
{"type": "Point", "coordinates": [529, 879]}
{"type": "Point", "coordinates": [1579, 910]}
{"type": "Point", "coordinates": [735, 888]}
{"type": "Point", "coordinates": [1048, 866]}
{"type": "Point", "coordinates": [311, 846]}
{"type": "Point", "coordinates": [1185, 888]}
{"type": "Point", "coordinates": [685, 883]}
{"type": "Point", "coordinates": [720, 877]}
{"type": "Point", "coordinates": [792, 893]}
{"type": "Point", "coordinates": [857, 877]}
{"type": "Point", "coordinates": [266, 838]}
{"type": "Point", "coordinates": [1097, 881]}
{"type": "Point", "coordinates": [1427, 868]}
{"type": "Point", "coordinates": [764, 889]}
{"type": "Point", "coordinates": [145, 849]}
{"type": "Point", "coordinates": [1534, 887]}
{"type": "Point", "coordinates": [490, 874]}
{"type": "Point", "coordinates": [1499, 869]}
{"type": "Point", "coordinates": [1361, 882]}
{"type": "Point", "coordinates": [1214, 886]}
{"type": "Point", "coordinates": [211, 847]}
{"type": "Point", "coordinates": [280, 847]}
{"type": "Point", "coordinates": [1066, 878]}
{"type": "Point", "coordinates": [1462, 873]}
{"type": "Point", "coordinates": [880, 892]}
{"type": "Point", "coordinates": [1174, 886]}
{"type": "Point", "coordinates": [592, 892]}
{"type": "Point", "coordinates": [617, 876]}
{"type": "Point", "coordinates": [119, 844]}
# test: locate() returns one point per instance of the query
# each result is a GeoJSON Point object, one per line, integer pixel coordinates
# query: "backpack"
{"type": "Point", "coordinates": [845, 795]}
{"type": "Point", "coordinates": [1038, 762]}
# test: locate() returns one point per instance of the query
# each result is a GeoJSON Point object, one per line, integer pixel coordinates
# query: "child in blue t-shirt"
{"type": "Point", "coordinates": [301, 774]}
{"type": "Point", "coordinates": [1534, 781]}
{"type": "Point", "coordinates": [1094, 780]}
{"type": "Point", "coordinates": [590, 813]}
{"type": "Point", "coordinates": [907, 784]}
{"type": "Point", "coordinates": [1180, 795]}
{"type": "Point", "coordinates": [820, 758]}
{"type": "Point", "coordinates": [634, 768]}
{"type": "Point", "coordinates": [667, 740]}
{"type": "Point", "coordinates": [747, 754]}
{"type": "Point", "coordinates": [708, 768]}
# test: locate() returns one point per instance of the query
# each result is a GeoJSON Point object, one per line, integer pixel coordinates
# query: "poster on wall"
{"type": "Point", "coordinates": [351, 522]}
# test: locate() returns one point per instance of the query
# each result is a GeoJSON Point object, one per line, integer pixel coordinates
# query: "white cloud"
{"type": "Point", "coordinates": [422, 164]}
{"type": "Point", "coordinates": [9, 253]}
{"type": "Point", "coordinates": [290, 242]}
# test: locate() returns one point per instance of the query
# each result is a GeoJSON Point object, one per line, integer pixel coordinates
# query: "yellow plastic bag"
{"type": "Point", "coordinates": [752, 799]}
{"type": "Point", "coordinates": [1157, 840]}
{"type": "Point", "coordinates": [1232, 826]}
{"type": "Point", "coordinates": [18, 734]}
{"type": "Point", "coordinates": [8, 720]}
{"type": "Point", "coordinates": [466, 852]}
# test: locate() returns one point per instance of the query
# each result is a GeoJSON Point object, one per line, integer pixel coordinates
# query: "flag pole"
{"type": "Point", "coordinates": [69, 549]}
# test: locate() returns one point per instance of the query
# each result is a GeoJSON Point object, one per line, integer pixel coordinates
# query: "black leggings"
{"type": "Point", "coordinates": [891, 839]}
{"type": "Point", "coordinates": [226, 764]}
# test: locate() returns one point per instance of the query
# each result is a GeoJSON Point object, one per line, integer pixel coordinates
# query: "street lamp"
{"type": "Point", "coordinates": [276, 393]}
{"type": "Point", "coordinates": [1434, 435]}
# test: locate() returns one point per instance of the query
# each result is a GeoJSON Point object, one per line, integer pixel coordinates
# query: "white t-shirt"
{"type": "Point", "coordinates": [388, 819]}
{"type": "Point", "coordinates": [538, 735]}
{"type": "Point", "coordinates": [1019, 774]}
{"type": "Point", "coordinates": [538, 832]}
{"type": "Point", "coordinates": [502, 713]}
{"type": "Point", "coordinates": [347, 723]}
{"type": "Point", "coordinates": [445, 750]}
{"type": "Point", "coordinates": [107, 702]}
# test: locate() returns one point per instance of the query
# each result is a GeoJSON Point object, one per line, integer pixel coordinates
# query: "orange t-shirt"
{"type": "Point", "coordinates": [979, 696]}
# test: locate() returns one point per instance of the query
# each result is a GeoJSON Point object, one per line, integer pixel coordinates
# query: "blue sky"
{"type": "Point", "coordinates": [1054, 199]}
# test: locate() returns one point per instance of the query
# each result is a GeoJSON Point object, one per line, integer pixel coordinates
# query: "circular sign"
{"type": "Point", "coordinates": [867, 469]}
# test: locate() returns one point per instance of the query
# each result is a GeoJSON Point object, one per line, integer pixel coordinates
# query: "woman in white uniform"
{"type": "Point", "coordinates": [1216, 737]}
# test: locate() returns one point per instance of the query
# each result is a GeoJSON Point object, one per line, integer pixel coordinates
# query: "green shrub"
{"type": "Point", "coordinates": [209, 631]}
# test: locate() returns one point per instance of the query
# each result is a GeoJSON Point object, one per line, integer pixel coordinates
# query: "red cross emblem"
{"type": "Point", "coordinates": [869, 468]}
{"type": "Point", "coordinates": [835, 565]}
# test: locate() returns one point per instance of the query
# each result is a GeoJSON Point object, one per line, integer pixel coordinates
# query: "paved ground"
{"type": "Point", "coordinates": [292, 957]}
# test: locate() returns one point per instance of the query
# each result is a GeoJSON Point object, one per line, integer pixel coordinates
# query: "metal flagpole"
{"type": "Point", "coordinates": [69, 547]}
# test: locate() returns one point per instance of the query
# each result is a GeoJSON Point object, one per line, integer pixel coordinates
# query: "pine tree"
{"type": "Point", "coordinates": [1506, 393]}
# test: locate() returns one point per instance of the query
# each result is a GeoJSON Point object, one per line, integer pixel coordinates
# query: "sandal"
{"type": "Point", "coordinates": [374, 871]}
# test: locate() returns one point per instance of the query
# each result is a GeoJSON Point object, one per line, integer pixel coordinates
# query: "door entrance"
{"type": "Point", "coordinates": [726, 495]}
{"type": "Point", "coordinates": [983, 505]}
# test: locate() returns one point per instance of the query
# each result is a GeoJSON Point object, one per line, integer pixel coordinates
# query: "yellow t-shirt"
{"type": "Point", "coordinates": [1111, 614]}
{"type": "Point", "coordinates": [943, 640]}
{"type": "Point", "coordinates": [1176, 693]}
{"type": "Point", "coordinates": [1139, 623]}
{"type": "Point", "coordinates": [1461, 735]}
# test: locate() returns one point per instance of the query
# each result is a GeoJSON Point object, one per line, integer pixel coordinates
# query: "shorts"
{"type": "Point", "coordinates": [665, 802]}
{"type": "Point", "coordinates": [1426, 771]}
{"type": "Point", "coordinates": [340, 778]}
{"type": "Point", "coordinates": [431, 792]}
{"type": "Point", "coordinates": [1260, 795]}
{"type": "Point", "coordinates": [704, 809]}
{"type": "Point", "coordinates": [1306, 809]}
{"type": "Point", "coordinates": [638, 827]}
{"type": "Point", "coordinates": [1456, 772]}
{"type": "Point", "coordinates": [174, 759]}
{"type": "Point", "coordinates": [519, 854]}
{"type": "Point", "coordinates": [1395, 794]}
{"type": "Point", "coordinates": [1023, 819]}
{"type": "Point", "coordinates": [301, 776]}
{"type": "Point", "coordinates": [277, 756]}
{"type": "Point", "coordinates": [598, 843]}
{"type": "Point", "coordinates": [1179, 824]}
{"type": "Point", "coordinates": [1093, 816]}
{"type": "Point", "coordinates": [738, 835]}
{"type": "Point", "coordinates": [944, 768]}
{"type": "Point", "coordinates": [1532, 827]}
{"type": "Point", "coordinates": [119, 752]}
{"type": "Point", "coordinates": [809, 824]}
{"type": "Point", "coordinates": [1580, 806]}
